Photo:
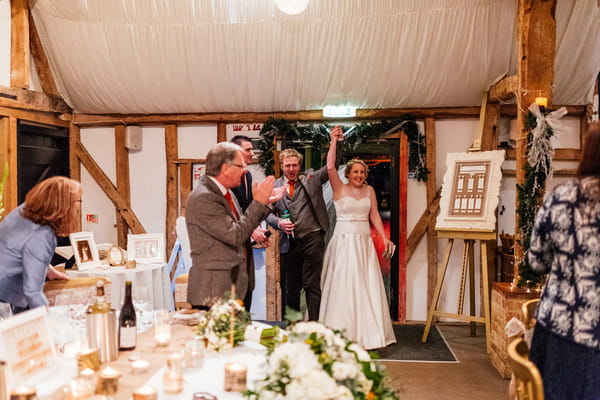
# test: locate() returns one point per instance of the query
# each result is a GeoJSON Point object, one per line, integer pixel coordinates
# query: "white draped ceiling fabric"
{"type": "Point", "coordinates": [186, 56]}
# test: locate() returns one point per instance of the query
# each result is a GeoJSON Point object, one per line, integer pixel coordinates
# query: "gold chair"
{"type": "Point", "coordinates": [528, 310]}
{"type": "Point", "coordinates": [528, 381]}
{"type": "Point", "coordinates": [181, 284]}
{"type": "Point", "coordinates": [74, 291]}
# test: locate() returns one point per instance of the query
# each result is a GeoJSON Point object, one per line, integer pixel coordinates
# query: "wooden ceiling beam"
{"type": "Point", "coordinates": [33, 101]}
{"type": "Point", "coordinates": [42, 66]}
{"type": "Point", "coordinates": [504, 90]}
{"type": "Point", "coordinates": [82, 119]}
{"type": "Point", "coordinates": [19, 44]}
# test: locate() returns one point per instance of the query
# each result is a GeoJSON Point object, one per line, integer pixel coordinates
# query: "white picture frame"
{"type": "Point", "coordinates": [470, 191]}
{"type": "Point", "coordinates": [146, 248]}
{"type": "Point", "coordinates": [85, 250]}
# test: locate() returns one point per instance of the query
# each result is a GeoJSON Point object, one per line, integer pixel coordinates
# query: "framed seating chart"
{"type": "Point", "coordinates": [470, 191]}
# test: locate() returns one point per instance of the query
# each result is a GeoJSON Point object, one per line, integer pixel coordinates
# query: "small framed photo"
{"type": "Point", "coordinates": [85, 250]}
{"type": "Point", "coordinates": [146, 248]}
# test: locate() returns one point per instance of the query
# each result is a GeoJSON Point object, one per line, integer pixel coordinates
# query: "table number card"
{"type": "Point", "coordinates": [27, 346]}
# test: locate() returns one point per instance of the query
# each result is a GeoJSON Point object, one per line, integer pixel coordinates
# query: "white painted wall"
{"type": "Point", "coordinates": [5, 43]}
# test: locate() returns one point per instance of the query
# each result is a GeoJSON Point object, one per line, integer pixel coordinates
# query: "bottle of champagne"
{"type": "Point", "coordinates": [286, 215]}
{"type": "Point", "coordinates": [127, 322]}
{"type": "Point", "coordinates": [101, 305]}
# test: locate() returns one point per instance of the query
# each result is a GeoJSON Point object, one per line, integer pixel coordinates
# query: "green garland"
{"type": "Point", "coordinates": [529, 195]}
{"type": "Point", "coordinates": [318, 136]}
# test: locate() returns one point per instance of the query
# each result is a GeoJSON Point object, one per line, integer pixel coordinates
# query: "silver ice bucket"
{"type": "Point", "coordinates": [102, 334]}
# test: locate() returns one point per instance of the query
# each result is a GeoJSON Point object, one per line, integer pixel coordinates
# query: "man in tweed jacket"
{"type": "Point", "coordinates": [218, 229]}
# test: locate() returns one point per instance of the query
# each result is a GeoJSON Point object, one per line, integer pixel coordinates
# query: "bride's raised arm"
{"type": "Point", "coordinates": [334, 179]}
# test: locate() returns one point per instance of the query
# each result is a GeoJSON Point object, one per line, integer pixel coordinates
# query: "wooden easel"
{"type": "Point", "coordinates": [469, 238]}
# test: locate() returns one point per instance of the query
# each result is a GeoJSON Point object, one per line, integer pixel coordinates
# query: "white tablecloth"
{"type": "Point", "coordinates": [154, 277]}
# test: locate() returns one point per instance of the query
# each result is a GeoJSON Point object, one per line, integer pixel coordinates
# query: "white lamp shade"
{"type": "Point", "coordinates": [292, 7]}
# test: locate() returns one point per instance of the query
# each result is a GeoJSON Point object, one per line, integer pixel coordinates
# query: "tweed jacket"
{"type": "Point", "coordinates": [217, 242]}
{"type": "Point", "coordinates": [313, 185]}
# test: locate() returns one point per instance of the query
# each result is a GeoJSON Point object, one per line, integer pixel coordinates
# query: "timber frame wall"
{"type": "Point", "coordinates": [48, 108]}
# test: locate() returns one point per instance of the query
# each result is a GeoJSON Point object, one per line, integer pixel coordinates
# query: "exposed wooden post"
{"type": "Point", "coordinates": [403, 234]}
{"type": "Point", "coordinates": [19, 44]}
{"type": "Point", "coordinates": [221, 132]}
{"type": "Point", "coordinates": [172, 153]}
{"type": "Point", "coordinates": [185, 185]}
{"type": "Point", "coordinates": [536, 45]}
{"type": "Point", "coordinates": [432, 191]}
{"type": "Point", "coordinates": [107, 186]}
{"type": "Point", "coordinates": [74, 163]}
{"type": "Point", "coordinates": [123, 183]}
{"type": "Point", "coordinates": [42, 66]}
{"type": "Point", "coordinates": [504, 89]}
{"type": "Point", "coordinates": [8, 156]}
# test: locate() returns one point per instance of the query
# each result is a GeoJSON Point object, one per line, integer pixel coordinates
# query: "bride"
{"type": "Point", "coordinates": [353, 294]}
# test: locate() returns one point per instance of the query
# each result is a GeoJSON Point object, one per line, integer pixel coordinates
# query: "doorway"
{"type": "Point", "coordinates": [42, 152]}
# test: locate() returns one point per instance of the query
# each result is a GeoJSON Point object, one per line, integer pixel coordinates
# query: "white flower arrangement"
{"type": "Point", "coordinates": [215, 326]}
{"type": "Point", "coordinates": [318, 363]}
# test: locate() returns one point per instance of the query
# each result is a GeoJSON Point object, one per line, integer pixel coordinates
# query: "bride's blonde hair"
{"type": "Point", "coordinates": [350, 163]}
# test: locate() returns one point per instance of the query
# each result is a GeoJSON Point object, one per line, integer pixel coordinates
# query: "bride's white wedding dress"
{"type": "Point", "coordinates": [353, 295]}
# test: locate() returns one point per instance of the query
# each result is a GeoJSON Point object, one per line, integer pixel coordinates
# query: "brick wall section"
{"type": "Point", "coordinates": [506, 304]}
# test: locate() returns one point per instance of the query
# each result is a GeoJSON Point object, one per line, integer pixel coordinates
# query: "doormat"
{"type": "Point", "coordinates": [409, 347]}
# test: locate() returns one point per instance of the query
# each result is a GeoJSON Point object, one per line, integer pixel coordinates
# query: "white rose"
{"type": "Point", "coordinates": [341, 371]}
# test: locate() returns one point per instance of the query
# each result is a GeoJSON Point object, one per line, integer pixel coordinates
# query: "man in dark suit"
{"type": "Point", "coordinates": [243, 194]}
{"type": "Point", "coordinates": [218, 229]}
{"type": "Point", "coordinates": [302, 239]}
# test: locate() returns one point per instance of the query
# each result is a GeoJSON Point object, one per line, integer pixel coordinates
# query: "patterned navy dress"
{"type": "Point", "coordinates": [565, 243]}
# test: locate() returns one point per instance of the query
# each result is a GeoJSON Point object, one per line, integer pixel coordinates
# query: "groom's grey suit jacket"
{"type": "Point", "coordinates": [217, 242]}
{"type": "Point", "coordinates": [313, 184]}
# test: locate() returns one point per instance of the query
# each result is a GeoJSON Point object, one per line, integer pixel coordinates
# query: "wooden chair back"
{"type": "Point", "coordinates": [77, 290]}
{"type": "Point", "coordinates": [181, 285]}
{"type": "Point", "coordinates": [528, 310]}
{"type": "Point", "coordinates": [528, 381]}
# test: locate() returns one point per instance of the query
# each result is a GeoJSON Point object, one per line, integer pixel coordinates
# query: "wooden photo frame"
{"type": "Point", "coordinates": [470, 191]}
{"type": "Point", "coordinates": [146, 248]}
{"type": "Point", "coordinates": [85, 250]}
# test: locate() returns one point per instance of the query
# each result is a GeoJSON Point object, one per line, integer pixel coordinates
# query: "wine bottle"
{"type": "Point", "coordinates": [101, 305]}
{"type": "Point", "coordinates": [127, 322]}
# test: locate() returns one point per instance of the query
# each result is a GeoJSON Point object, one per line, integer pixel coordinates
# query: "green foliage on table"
{"type": "Point", "coordinates": [318, 137]}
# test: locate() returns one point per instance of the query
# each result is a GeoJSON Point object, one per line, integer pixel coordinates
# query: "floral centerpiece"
{"type": "Point", "coordinates": [319, 363]}
{"type": "Point", "coordinates": [215, 326]}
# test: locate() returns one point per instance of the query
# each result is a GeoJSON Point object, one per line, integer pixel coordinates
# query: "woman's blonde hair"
{"type": "Point", "coordinates": [53, 202]}
{"type": "Point", "coordinates": [351, 163]}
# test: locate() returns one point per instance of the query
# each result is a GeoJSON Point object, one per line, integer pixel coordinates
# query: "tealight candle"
{"type": "Point", "coordinates": [23, 393]}
{"type": "Point", "coordinates": [139, 366]}
{"type": "Point", "coordinates": [145, 393]}
{"type": "Point", "coordinates": [89, 359]}
{"type": "Point", "coordinates": [235, 377]}
{"type": "Point", "coordinates": [541, 101]}
{"type": "Point", "coordinates": [78, 389]}
{"type": "Point", "coordinates": [162, 328]}
{"type": "Point", "coordinates": [108, 382]}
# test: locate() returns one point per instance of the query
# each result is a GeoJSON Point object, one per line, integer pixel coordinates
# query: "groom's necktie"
{"type": "Point", "coordinates": [291, 183]}
{"type": "Point", "coordinates": [232, 205]}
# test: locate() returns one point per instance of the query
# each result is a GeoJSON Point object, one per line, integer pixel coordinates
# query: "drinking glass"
{"type": "Point", "coordinates": [5, 311]}
{"type": "Point", "coordinates": [140, 302]}
{"type": "Point", "coordinates": [162, 327]}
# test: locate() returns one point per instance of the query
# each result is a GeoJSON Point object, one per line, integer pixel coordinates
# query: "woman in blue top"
{"type": "Point", "coordinates": [28, 240]}
{"type": "Point", "coordinates": [565, 242]}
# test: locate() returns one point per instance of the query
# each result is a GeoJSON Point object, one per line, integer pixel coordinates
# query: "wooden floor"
{"type": "Point", "coordinates": [473, 377]}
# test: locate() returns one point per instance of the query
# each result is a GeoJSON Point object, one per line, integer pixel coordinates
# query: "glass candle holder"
{"type": "Point", "coordinates": [235, 377]}
{"type": "Point", "coordinates": [78, 389]}
{"type": "Point", "coordinates": [162, 328]}
{"type": "Point", "coordinates": [194, 351]}
{"type": "Point", "coordinates": [23, 393]}
{"type": "Point", "coordinates": [145, 393]}
{"type": "Point", "coordinates": [139, 366]}
{"type": "Point", "coordinates": [108, 382]}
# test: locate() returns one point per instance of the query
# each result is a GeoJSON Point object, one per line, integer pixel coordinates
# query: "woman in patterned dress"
{"type": "Point", "coordinates": [565, 243]}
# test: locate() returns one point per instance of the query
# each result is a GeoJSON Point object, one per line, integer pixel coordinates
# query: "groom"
{"type": "Point", "coordinates": [302, 243]}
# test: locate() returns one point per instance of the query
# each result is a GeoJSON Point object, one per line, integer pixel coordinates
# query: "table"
{"type": "Point", "coordinates": [154, 277]}
{"type": "Point", "coordinates": [208, 378]}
